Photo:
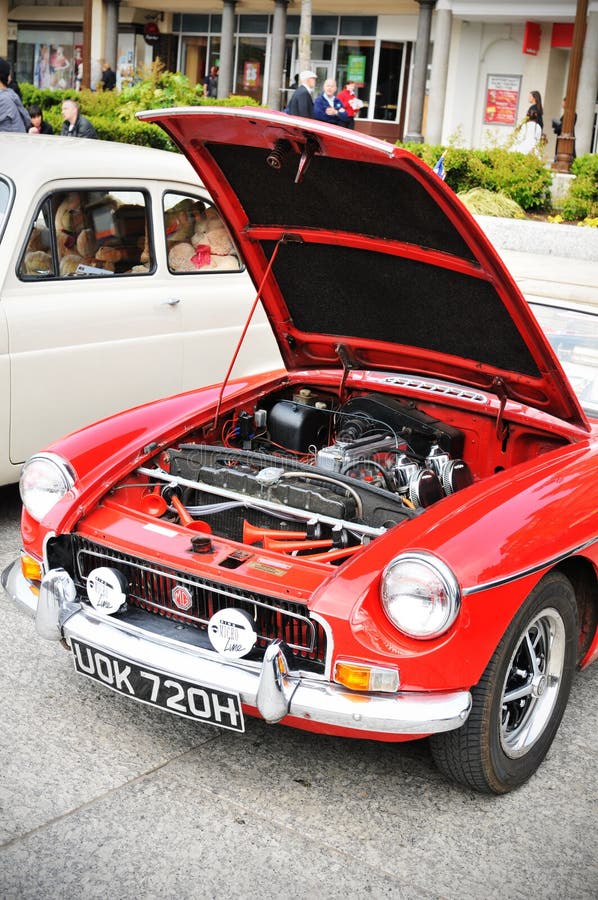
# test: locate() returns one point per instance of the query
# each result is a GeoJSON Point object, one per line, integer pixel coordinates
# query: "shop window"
{"type": "Point", "coordinates": [363, 26]}
{"type": "Point", "coordinates": [253, 24]}
{"type": "Point", "coordinates": [197, 240]}
{"type": "Point", "coordinates": [251, 57]}
{"type": "Point", "coordinates": [390, 70]}
{"type": "Point", "coordinates": [193, 24]}
{"type": "Point", "coordinates": [355, 62]}
{"type": "Point", "coordinates": [324, 25]}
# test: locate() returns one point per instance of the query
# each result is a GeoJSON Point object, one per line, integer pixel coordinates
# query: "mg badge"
{"type": "Point", "coordinates": [181, 597]}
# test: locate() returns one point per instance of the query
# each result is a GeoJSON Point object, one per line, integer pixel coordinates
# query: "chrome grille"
{"type": "Point", "coordinates": [151, 587]}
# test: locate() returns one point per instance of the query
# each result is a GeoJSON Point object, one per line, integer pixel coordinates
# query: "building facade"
{"type": "Point", "coordinates": [443, 70]}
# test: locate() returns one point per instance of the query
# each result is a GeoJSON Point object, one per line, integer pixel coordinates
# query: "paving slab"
{"type": "Point", "coordinates": [547, 260]}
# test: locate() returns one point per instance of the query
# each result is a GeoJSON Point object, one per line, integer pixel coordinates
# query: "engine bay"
{"type": "Point", "coordinates": [301, 472]}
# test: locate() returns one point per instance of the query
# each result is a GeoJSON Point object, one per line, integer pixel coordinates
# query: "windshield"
{"type": "Point", "coordinates": [573, 335]}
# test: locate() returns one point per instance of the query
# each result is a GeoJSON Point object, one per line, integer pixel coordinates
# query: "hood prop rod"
{"type": "Point", "coordinates": [502, 428]}
{"type": "Point", "coordinates": [347, 364]}
{"type": "Point", "coordinates": [244, 332]}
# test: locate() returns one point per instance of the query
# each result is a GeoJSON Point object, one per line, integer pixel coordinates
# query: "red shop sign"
{"type": "Point", "coordinates": [151, 32]}
{"type": "Point", "coordinates": [531, 38]}
{"type": "Point", "coordinates": [562, 35]}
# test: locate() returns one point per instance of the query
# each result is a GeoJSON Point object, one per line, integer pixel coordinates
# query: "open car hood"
{"type": "Point", "coordinates": [365, 258]}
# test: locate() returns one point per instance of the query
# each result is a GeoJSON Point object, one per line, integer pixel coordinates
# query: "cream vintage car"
{"type": "Point", "coordinates": [119, 284]}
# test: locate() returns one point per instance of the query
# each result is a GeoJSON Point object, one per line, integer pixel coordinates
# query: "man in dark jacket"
{"type": "Point", "coordinates": [75, 125]}
{"type": "Point", "coordinates": [328, 108]}
{"type": "Point", "coordinates": [301, 103]}
{"type": "Point", "coordinates": [108, 78]}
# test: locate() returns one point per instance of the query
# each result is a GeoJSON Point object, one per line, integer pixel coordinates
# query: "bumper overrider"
{"type": "Point", "coordinates": [203, 685]}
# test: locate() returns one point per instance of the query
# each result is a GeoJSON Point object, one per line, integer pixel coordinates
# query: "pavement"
{"type": "Point", "coordinates": [102, 797]}
{"type": "Point", "coordinates": [547, 260]}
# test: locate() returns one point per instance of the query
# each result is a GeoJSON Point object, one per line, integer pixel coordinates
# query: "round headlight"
{"type": "Point", "coordinates": [45, 479]}
{"type": "Point", "coordinates": [420, 595]}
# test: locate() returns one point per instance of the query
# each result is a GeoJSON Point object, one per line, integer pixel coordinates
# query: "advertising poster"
{"type": "Point", "coordinates": [251, 75]}
{"type": "Point", "coordinates": [356, 70]}
{"type": "Point", "coordinates": [54, 66]}
{"type": "Point", "coordinates": [502, 99]}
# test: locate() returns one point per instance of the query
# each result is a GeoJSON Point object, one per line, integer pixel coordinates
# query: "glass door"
{"type": "Point", "coordinates": [323, 69]}
{"type": "Point", "coordinates": [390, 76]}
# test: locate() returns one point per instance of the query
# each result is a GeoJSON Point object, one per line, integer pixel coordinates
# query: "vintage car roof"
{"type": "Point", "coordinates": [59, 157]}
{"type": "Point", "coordinates": [365, 257]}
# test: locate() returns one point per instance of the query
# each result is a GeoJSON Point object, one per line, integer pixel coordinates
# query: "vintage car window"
{"type": "Point", "coordinates": [6, 195]}
{"type": "Point", "coordinates": [573, 335]}
{"type": "Point", "coordinates": [197, 240]}
{"type": "Point", "coordinates": [83, 233]}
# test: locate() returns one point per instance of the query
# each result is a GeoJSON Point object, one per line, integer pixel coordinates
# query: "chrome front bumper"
{"type": "Point", "coordinates": [268, 687]}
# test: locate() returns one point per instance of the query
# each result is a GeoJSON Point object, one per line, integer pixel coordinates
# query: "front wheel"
{"type": "Point", "coordinates": [520, 699]}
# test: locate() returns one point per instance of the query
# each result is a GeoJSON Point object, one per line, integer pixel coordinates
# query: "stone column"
{"type": "Point", "coordinates": [227, 48]}
{"type": "Point", "coordinates": [279, 30]}
{"type": "Point", "coordinates": [440, 62]}
{"type": "Point", "coordinates": [3, 28]}
{"type": "Point", "coordinates": [111, 33]}
{"type": "Point", "coordinates": [588, 88]}
{"type": "Point", "coordinates": [418, 84]}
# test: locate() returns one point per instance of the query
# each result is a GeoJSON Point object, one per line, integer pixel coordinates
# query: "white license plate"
{"type": "Point", "coordinates": [176, 695]}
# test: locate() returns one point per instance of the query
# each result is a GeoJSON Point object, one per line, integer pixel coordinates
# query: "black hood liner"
{"type": "Point", "coordinates": [333, 290]}
{"type": "Point", "coordinates": [382, 201]}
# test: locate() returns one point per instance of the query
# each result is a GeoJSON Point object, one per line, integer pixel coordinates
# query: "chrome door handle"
{"type": "Point", "coordinates": [172, 301]}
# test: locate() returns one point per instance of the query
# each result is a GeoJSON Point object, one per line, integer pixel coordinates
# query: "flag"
{"type": "Point", "coordinates": [439, 168]}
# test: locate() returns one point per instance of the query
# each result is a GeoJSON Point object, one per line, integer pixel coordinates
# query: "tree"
{"type": "Point", "coordinates": [305, 36]}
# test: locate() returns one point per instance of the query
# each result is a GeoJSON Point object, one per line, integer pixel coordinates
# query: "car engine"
{"type": "Point", "coordinates": [304, 474]}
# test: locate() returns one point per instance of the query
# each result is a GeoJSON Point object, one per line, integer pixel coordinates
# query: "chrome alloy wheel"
{"type": "Point", "coordinates": [532, 682]}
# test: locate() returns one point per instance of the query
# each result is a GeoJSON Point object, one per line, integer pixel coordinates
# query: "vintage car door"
{"type": "Point", "coordinates": [215, 293]}
{"type": "Point", "coordinates": [92, 324]}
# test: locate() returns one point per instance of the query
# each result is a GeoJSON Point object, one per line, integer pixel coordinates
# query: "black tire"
{"type": "Point", "coordinates": [520, 699]}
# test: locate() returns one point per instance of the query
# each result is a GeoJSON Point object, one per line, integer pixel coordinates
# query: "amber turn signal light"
{"type": "Point", "coordinates": [32, 571]}
{"type": "Point", "coordinates": [359, 677]}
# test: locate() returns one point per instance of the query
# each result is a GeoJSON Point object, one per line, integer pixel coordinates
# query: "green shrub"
{"type": "Point", "coordinates": [521, 177]}
{"type": "Point", "coordinates": [113, 113]}
{"type": "Point", "coordinates": [582, 200]}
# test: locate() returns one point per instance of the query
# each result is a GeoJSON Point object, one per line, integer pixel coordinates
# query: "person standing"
{"type": "Point", "coordinates": [210, 86]}
{"type": "Point", "coordinates": [528, 137]}
{"type": "Point", "coordinates": [351, 102]}
{"type": "Point", "coordinates": [328, 107]}
{"type": "Point", "coordinates": [13, 115]}
{"type": "Point", "coordinates": [38, 124]}
{"type": "Point", "coordinates": [108, 78]}
{"type": "Point", "coordinates": [535, 111]}
{"type": "Point", "coordinates": [75, 125]}
{"type": "Point", "coordinates": [301, 103]}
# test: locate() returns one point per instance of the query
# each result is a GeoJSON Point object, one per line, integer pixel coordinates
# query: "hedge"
{"type": "Point", "coordinates": [113, 113]}
{"type": "Point", "coordinates": [582, 200]}
{"type": "Point", "coordinates": [523, 178]}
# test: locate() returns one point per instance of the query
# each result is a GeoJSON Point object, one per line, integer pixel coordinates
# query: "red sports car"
{"type": "Point", "coordinates": [395, 537]}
